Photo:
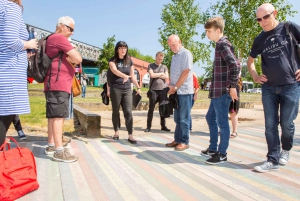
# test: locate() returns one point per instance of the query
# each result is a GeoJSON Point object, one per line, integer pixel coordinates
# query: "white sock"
{"type": "Point", "coordinates": [59, 149]}
{"type": "Point", "coordinates": [51, 144]}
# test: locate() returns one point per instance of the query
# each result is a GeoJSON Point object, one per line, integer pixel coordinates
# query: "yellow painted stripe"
{"type": "Point", "coordinates": [140, 180]}
{"type": "Point", "coordinates": [218, 178]}
{"type": "Point", "coordinates": [242, 178]}
{"type": "Point", "coordinates": [167, 167]}
{"type": "Point", "coordinates": [120, 186]}
{"type": "Point", "coordinates": [83, 190]}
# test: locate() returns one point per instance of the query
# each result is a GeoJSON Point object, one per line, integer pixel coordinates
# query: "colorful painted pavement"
{"type": "Point", "coordinates": [117, 170]}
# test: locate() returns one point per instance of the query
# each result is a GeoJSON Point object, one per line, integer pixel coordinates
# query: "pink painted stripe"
{"type": "Point", "coordinates": [161, 178]}
{"type": "Point", "coordinates": [273, 176]}
{"type": "Point", "coordinates": [197, 171]}
{"type": "Point", "coordinates": [96, 189]}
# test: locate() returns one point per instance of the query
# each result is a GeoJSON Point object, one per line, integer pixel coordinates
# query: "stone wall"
{"type": "Point", "coordinates": [90, 122]}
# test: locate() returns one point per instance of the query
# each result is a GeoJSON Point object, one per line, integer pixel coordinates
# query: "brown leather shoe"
{"type": "Point", "coordinates": [172, 144]}
{"type": "Point", "coordinates": [181, 147]}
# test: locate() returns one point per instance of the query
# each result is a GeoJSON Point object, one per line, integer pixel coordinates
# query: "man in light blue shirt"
{"type": "Point", "coordinates": [181, 84]}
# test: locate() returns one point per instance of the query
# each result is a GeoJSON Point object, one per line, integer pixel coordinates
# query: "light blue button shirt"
{"type": "Point", "coordinates": [181, 61]}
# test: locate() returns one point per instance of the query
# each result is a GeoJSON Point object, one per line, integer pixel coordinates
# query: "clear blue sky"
{"type": "Point", "coordinates": [133, 21]}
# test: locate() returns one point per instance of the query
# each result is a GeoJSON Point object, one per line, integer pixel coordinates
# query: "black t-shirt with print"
{"type": "Point", "coordinates": [275, 49]}
{"type": "Point", "coordinates": [116, 81]}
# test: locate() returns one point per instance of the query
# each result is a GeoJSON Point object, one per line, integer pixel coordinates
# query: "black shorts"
{"type": "Point", "coordinates": [57, 104]}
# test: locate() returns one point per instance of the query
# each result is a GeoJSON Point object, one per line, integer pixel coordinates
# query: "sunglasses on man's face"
{"type": "Point", "coordinates": [264, 17]}
{"type": "Point", "coordinates": [70, 28]}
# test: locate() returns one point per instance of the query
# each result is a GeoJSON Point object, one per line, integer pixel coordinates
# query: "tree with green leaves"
{"type": "Point", "coordinates": [137, 54]}
{"type": "Point", "coordinates": [107, 51]}
{"type": "Point", "coordinates": [182, 18]}
{"type": "Point", "coordinates": [240, 25]}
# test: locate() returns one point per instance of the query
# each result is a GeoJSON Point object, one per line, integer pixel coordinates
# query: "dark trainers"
{"type": "Point", "coordinates": [284, 157]}
{"type": "Point", "coordinates": [207, 153]}
{"type": "Point", "coordinates": [64, 156]}
{"type": "Point", "coordinates": [164, 128]}
{"type": "Point", "coordinates": [21, 134]}
{"type": "Point", "coordinates": [23, 137]}
{"type": "Point", "coordinates": [266, 167]}
{"type": "Point", "coordinates": [65, 141]}
{"type": "Point", "coordinates": [147, 130]}
{"type": "Point", "coordinates": [49, 150]}
{"type": "Point", "coordinates": [217, 159]}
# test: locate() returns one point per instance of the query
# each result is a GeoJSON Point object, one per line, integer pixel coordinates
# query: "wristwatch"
{"type": "Point", "coordinates": [175, 88]}
{"type": "Point", "coordinates": [232, 86]}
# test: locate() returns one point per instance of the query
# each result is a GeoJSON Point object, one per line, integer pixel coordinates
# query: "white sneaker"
{"type": "Point", "coordinates": [284, 157]}
{"type": "Point", "coordinates": [266, 167]}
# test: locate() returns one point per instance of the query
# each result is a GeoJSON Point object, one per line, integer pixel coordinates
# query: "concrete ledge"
{"type": "Point", "coordinates": [144, 105]}
{"type": "Point", "coordinates": [94, 106]}
{"type": "Point", "coordinates": [89, 121]}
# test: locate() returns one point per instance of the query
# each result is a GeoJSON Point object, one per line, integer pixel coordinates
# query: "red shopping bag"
{"type": "Point", "coordinates": [17, 172]}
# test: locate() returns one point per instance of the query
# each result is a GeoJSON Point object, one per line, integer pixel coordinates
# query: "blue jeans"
{"type": "Point", "coordinates": [286, 99]}
{"type": "Point", "coordinates": [191, 123]}
{"type": "Point", "coordinates": [182, 117]}
{"type": "Point", "coordinates": [217, 116]}
{"type": "Point", "coordinates": [83, 91]}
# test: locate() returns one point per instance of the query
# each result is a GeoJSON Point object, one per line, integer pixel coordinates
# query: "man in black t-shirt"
{"type": "Point", "coordinates": [158, 74]}
{"type": "Point", "coordinates": [280, 83]}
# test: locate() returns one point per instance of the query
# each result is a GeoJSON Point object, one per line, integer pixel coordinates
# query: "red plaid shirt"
{"type": "Point", "coordinates": [226, 69]}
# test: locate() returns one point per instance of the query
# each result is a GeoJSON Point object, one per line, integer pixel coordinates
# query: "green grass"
{"type": "Point", "coordinates": [36, 86]}
{"type": "Point", "coordinates": [37, 117]}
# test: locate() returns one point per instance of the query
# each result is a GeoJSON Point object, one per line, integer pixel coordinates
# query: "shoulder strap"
{"type": "Point", "coordinates": [287, 24]}
{"type": "Point", "coordinates": [61, 53]}
{"type": "Point", "coordinates": [291, 36]}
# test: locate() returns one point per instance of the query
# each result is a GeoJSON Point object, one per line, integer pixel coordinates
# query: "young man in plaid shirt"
{"type": "Point", "coordinates": [222, 91]}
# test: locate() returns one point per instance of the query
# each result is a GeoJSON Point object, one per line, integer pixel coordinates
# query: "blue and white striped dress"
{"type": "Point", "coordinates": [13, 60]}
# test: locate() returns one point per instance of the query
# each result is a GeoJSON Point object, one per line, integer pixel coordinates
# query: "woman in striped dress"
{"type": "Point", "coordinates": [13, 64]}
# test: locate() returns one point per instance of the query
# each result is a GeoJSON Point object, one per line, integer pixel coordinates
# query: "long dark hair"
{"type": "Point", "coordinates": [116, 55]}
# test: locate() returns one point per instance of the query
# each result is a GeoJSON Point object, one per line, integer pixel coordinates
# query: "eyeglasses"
{"type": "Point", "coordinates": [70, 28]}
{"type": "Point", "coordinates": [264, 17]}
{"type": "Point", "coordinates": [122, 48]}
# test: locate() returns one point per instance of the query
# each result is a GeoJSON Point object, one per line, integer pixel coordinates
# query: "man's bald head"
{"type": "Point", "coordinates": [173, 37]}
{"type": "Point", "coordinates": [266, 16]}
{"type": "Point", "coordinates": [174, 43]}
{"type": "Point", "coordinates": [267, 7]}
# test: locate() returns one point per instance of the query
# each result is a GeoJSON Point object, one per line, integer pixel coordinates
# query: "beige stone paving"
{"type": "Point", "coordinates": [247, 118]}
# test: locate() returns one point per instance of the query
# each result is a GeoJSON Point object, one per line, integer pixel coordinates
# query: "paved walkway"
{"type": "Point", "coordinates": [117, 170]}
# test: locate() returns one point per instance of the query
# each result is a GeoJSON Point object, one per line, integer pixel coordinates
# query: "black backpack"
{"type": "Point", "coordinates": [38, 64]}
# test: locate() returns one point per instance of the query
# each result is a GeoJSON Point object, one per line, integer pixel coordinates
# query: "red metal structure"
{"type": "Point", "coordinates": [140, 67]}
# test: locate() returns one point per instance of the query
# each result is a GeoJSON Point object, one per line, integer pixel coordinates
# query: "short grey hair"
{"type": "Point", "coordinates": [65, 20]}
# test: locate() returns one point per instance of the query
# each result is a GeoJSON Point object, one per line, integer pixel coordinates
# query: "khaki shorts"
{"type": "Point", "coordinates": [57, 104]}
